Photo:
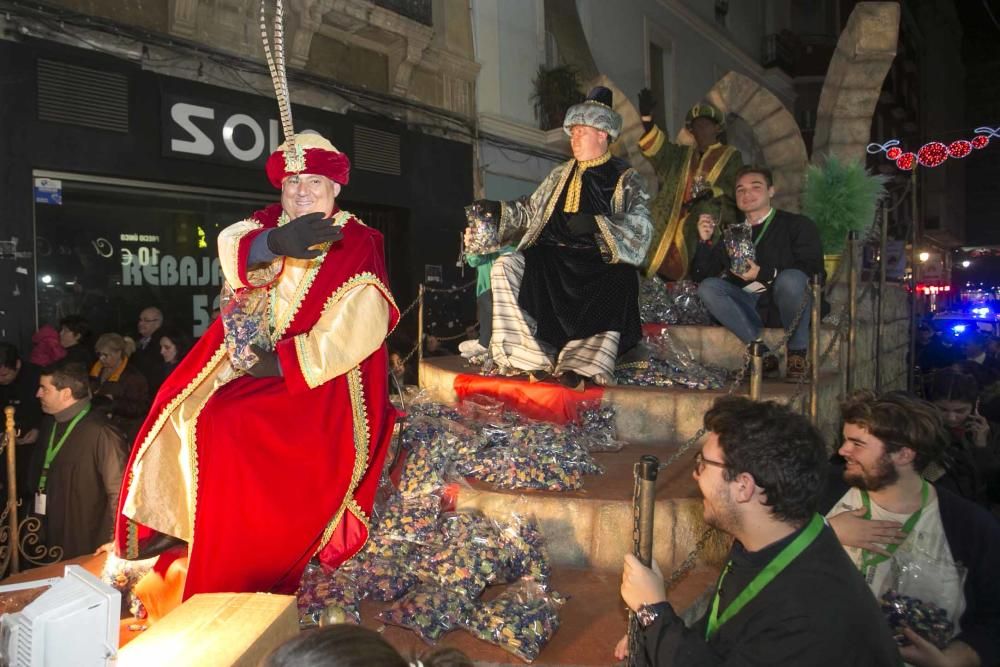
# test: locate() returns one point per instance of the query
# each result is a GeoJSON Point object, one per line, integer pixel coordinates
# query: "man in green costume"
{"type": "Point", "coordinates": [696, 186]}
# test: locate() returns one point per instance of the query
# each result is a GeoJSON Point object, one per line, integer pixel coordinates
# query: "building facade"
{"type": "Point", "coordinates": [131, 137]}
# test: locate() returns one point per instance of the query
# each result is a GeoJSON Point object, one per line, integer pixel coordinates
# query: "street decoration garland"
{"type": "Point", "coordinates": [934, 153]}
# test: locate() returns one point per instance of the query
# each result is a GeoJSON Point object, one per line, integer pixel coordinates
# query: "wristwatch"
{"type": "Point", "coordinates": [650, 612]}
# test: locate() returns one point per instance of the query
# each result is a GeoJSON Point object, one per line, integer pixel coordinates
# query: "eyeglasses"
{"type": "Point", "coordinates": [700, 462]}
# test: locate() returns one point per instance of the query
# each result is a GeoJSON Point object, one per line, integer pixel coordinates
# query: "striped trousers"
{"type": "Point", "coordinates": [514, 346]}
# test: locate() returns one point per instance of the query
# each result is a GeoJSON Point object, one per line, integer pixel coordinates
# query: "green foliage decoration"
{"type": "Point", "coordinates": [839, 197]}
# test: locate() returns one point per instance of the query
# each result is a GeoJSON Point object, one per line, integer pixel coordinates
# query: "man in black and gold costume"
{"type": "Point", "coordinates": [566, 303]}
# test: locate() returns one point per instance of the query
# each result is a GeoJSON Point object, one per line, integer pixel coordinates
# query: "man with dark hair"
{"type": "Point", "coordinates": [788, 252]}
{"type": "Point", "coordinates": [76, 473]}
{"type": "Point", "coordinates": [882, 507]}
{"type": "Point", "coordinates": [788, 595]}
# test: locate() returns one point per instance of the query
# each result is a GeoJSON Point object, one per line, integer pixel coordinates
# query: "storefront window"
{"type": "Point", "coordinates": [113, 248]}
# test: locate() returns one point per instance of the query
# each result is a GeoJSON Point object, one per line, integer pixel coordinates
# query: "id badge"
{"type": "Point", "coordinates": [40, 503]}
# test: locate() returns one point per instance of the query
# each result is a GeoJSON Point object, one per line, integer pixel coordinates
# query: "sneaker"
{"type": "Point", "coordinates": [470, 348]}
{"type": "Point", "coordinates": [796, 370]}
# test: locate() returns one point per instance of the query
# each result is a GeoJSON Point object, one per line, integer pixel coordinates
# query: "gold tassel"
{"type": "Point", "coordinates": [576, 182]}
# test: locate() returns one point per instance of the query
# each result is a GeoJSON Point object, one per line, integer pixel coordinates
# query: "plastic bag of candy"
{"type": "Point", "coordinates": [482, 408]}
{"type": "Point", "coordinates": [485, 225]}
{"type": "Point", "coordinates": [327, 597]}
{"type": "Point", "coordinates": [923, 593]}
{"type": "Point", "coordinates": [525, 544]}
{"type": "Point", "coordinates": [738, 238]}
{"type": "Point", "coordinates": [244, 315]}
{"type": "Point", "coordinates": [595, 428]}
{"type": "Point", "coordinates": [422, 402]}
{"type": "Point", "coordinates": [519, 468]}
{"type": "Point", "coordinates": [521, 620]}
{"type": "Point", "coordinates": [467, 557]}
{"type": "Point", "coordinates": [123, 575]}
{"type": "Point", "coordinates": [381, 578]}
{"type": "Point", "coordinates": [428, 610]}
{"type": "Point", "coordinates": [410, 518]}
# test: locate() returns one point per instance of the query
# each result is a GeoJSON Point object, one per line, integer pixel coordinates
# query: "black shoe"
{"type": "Point", "coordinates": [573, 380]}
{"type": "Point", "coordinates": [541, 376]}
{"type": "Point", "coordinates": [157, 544]}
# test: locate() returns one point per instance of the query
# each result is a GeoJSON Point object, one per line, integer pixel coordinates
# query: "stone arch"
{"type": "Point", "coordinates": [774, 130]}
{"type": "Point", "coordinates": [858, 68]}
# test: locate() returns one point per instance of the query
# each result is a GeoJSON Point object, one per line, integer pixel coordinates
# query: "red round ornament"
{"type": "Point", "coordinates": [906, 161]}
{"type": "Point", "coordinates": [932, 154]}
{"type": "Point", "coordinates": [980, 141]}
{"type": "Point", "coordinates": [959, 148]}
{"type": "Point", "coordinates": [894, 152]}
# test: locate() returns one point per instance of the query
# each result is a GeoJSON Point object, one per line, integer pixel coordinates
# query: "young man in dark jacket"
{"type": "Point", "coordinates": [788, 253]}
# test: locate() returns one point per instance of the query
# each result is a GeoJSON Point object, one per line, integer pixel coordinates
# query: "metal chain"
{"type": "Point", "coordinates": [450, 290]}
{"type": "Point", "coordinates": [692, 558]}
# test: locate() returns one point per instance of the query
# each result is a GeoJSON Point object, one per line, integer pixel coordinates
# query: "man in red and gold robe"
{"type": "Point", "coordinates": [260, 461]}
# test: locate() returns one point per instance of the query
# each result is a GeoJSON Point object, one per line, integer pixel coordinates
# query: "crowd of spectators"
{"type": "Point", "coordinates": [79, 399]}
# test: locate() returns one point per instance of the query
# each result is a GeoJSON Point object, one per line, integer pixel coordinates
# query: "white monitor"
{"type": "Point", "coordinates": [75, 622]}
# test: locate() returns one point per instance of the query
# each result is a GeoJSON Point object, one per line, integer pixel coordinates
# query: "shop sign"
{"type": "Point", "coordinates": [203, 130]}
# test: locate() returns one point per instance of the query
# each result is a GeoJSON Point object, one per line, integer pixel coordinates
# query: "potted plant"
{"type": "Point", "coordinates": [840, 197]}
{"type": "Point", "coordinates": [556, 90]}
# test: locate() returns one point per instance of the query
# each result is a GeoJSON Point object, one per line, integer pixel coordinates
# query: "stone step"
{"type": "Point", "coordinates": [591, 621]}
{"type": "Point", "coordinates": [652, 415]}
{"type": "Point", "coordinates": [717, 346]}
{"type": "Point", "coordinates": [592, 528]}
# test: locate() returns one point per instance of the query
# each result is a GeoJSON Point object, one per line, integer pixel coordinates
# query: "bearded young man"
{"type": "Point", "coordinates": [261, 460]}
{"type": "Point", "coordinates": [788, 595]}
{"type": "Point", "coordinates": [881, 505]}
{"type": "Point", "coordinates": [566, 303]}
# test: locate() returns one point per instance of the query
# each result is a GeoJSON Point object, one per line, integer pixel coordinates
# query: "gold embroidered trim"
{"type": "Point", "coordinates": [720, 164]}
{"type": "Point", "coordinates": [362, 437]}
{"type": "Point", "coordinates": [609, 240]}
{"type": "Point", "coordinates": [180, 398]}
{"type": "Point", "coordinates": [131, 536]}
{"type": "Point", "coordinates": [550, 206]}
{"type": "Point", "coordinates": [572, 204]}
{"type": "Point", "coordinates": [355, 509]}
{"type": "Point", "coordinates": [673, 222]}
{"type": "Point", "coordinates": [652, 142]}
{"type": "Point", "coordinates": [280, 326]}
{"type": "Point", "coordinates": [306, 364]}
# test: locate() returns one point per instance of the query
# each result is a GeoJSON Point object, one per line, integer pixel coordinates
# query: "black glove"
{"type": "Point", "coordinates": [646, 102]}
{"type": "Point", "coordinates": [267, 363]}
{"type": "Point", "coordinates": [294, 239]}
{"type": "Point", "coordinates": [581, 224]}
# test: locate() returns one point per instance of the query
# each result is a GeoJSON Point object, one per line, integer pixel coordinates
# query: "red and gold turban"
{"type": "Point", "coordinates": [318, 156]}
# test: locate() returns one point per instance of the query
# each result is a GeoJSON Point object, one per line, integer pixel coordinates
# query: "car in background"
{"type": "Point", "coordinates": [957, 325]}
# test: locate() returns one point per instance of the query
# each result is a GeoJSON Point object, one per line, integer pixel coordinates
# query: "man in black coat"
{"type": "Point", "coordinates": [788, 252]}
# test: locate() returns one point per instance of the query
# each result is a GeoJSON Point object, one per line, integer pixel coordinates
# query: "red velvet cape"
{"type": "Point", "coordinates": [275, 459]}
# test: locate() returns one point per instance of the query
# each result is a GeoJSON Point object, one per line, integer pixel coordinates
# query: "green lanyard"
{"type": "Point", "coordinates": [767, 223]}
{"type": "Point", "coordinates": [871, 560]}
{"type": "Point", "coordinates": [763, 578]}
{"type": "Point", "coordinates": [53, 451]}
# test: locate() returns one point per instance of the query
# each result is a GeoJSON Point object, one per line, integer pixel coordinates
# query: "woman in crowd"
{"type": "Point", "coordinates": [118, 389]}
{"type": "Point", "coordinates": [174, 345]}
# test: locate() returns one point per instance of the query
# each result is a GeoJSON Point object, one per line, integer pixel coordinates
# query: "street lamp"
{"type": "Point", "coordinates": [966, 263]}
{"type": "Point", "coordinates": [924, 256]}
